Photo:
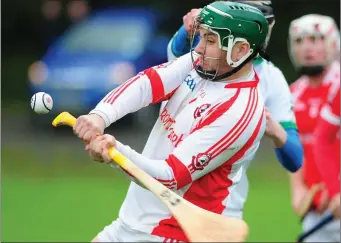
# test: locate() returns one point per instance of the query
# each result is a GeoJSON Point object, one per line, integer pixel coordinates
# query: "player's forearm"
{"type": "Point", "coordinates": [289, 151]}
{"type": "Point", "coordinates": [131, 96]}
{"type": "Point", "coordinates": [159, 169]}
{"type": "Point", "coordinates": [179, 44]}
{"type": "Point", "coordinates": [297, 183]}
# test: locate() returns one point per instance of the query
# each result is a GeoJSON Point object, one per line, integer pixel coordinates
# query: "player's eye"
{"type": "Point", "coordinates": [298, 40]}
{"type": "Point", "coordinates": [211, 41]}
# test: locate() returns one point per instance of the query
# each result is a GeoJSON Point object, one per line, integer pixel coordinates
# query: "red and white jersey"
{"type": "Point", "coordinates": [200, 145]}
{"type": "Point", "coordinates": [327, 142]}
{"type": "Point", "coordinates": [308, 102]}
{"type": "Point", "coordinates": [331, 110]}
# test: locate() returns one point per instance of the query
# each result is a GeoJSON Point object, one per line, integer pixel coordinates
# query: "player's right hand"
{"type": "Point", "coordinates": [188, 20]}
{"type": "Point", "coordinates": [88, 127]}
{"type": "Point", "coordinates": [334, 206]}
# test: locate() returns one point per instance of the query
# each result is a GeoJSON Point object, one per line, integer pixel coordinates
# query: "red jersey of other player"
{"type": "Point", "coordinates": [309, 97]}
{"type": "Point", "coordinates": [327, 147]}
{"type": "Point", "coordinates": [314, 44]}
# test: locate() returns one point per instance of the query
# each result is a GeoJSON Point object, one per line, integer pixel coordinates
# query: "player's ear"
{"type": "Point", "coordinates": [239, 50]}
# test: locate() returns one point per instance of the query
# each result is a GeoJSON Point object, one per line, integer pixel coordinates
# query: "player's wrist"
{"type": "Point", "coordinates": [100, 121]}
{"type": "Point", "coordinates": [279, 137]}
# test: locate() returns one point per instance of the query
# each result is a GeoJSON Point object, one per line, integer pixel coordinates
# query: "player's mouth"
{"type": "Point", "coordinates": [309, 58]}
{"type": "Point", "coordinates": [202, 63]}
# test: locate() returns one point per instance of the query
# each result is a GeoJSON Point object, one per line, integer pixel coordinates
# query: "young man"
{"type": "Point", "coordinates": [205, 137]}
{"type": "Point", "coordinates": [281, 124]}
{"type": "Point", "coordinates": [314, 41]}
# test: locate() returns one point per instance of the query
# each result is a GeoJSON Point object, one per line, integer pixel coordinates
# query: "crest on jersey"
{"type": "Point", "coordinates": [199, 162]}
{"type": "Point", "coordinates": [201, 109]}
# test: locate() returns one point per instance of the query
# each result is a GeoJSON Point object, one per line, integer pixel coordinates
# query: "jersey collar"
{"type": "Point", "coordinates": [244, 84]}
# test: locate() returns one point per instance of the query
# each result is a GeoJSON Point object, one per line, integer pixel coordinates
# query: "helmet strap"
{"type": "Point", "coordinates": [231, 43]}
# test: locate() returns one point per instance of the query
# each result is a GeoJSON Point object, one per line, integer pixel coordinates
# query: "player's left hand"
{"type": "Point", "coordinates": [98, 147]}
{"type": "Point", "coordinates": [274, 130]}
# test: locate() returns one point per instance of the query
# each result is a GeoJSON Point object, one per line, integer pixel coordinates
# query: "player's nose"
{"type": "Point", "coordinates": [200, 48]}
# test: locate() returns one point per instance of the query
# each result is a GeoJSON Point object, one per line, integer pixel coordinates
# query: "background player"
{"type": "Point", "coordinates": [314, 41]}
{"type": "Point", "coordinates": [281, 124]}
{"type": "Point", "coordinates": [205, 137]}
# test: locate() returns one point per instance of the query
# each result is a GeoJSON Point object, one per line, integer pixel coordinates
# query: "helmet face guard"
{"type": "Point", "coordinates": [231, 23]}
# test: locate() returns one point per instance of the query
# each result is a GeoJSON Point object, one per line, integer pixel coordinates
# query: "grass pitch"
{"type": "Point", "coordinates": [60, 195]}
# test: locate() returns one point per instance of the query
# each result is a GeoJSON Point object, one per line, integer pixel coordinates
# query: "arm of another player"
{"type": "Point", "coordinates": [326, 147]}
{"type": "Point", "coordinates": [218, 140]}
{"type": "Point", "coordinates": [281, 128]}
{"type": "Point", "coordinates": [180, 43]}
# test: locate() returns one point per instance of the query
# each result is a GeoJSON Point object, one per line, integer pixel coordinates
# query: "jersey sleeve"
{"type": "Point", "coordinates": [180, 44]}
{"type": "Point", "coordinates": [148, 87]}
{"type": "Point", "coordinates": [218, 140]}
{"type": "Point", "coordinates": [280, 101]}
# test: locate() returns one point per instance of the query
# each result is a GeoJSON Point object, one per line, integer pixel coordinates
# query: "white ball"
{"type": "Point", "coordinates": [41, 103]}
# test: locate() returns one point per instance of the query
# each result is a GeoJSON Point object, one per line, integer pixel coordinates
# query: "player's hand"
{"type": "Point", "coordinates": [297, 198]}
{"type": "Point", "coordinates": [274, 130]}
{"type": "Point", "coordinates": [88, 127]}
{"type": "Point", "coordinates": [188, 20]}
{"type": "Point", "coordinates": [324, 201]}
{"type": "Point", "coordinates": [98, 148]}
{"type": "Point", "coordinates": [334, 206]}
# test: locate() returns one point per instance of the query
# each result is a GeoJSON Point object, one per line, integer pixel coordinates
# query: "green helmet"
{"type": "Point", "coordinates": [233, 22]}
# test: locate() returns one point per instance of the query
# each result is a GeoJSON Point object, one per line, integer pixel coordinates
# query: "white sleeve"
{"type": "Point", "coordinates": [216, 141]}
{"type": "Point", "coordinates": [148, 87]}
{"type": "Point", "coordinates": [279, 100]}
{"type": "Point", "coordinates": [170, 54]}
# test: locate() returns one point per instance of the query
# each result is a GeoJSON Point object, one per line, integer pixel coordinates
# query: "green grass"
{"type": "Point", "coordinates": [60, 195]}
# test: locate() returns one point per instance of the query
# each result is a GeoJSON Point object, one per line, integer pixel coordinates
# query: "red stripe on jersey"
{"type": "Point", "coordinates": [246, 84]}
{"type": "Point", "coordinates": [216, 112]}
{"type": "Point", "coordinates": [117, 92]}
{"type": "Point", "coordinates": [156, 84]}
{"type": "Point", "coordinates": [169, 95]}
{"type": "Point", "coordinates": [249, 108]}
{"type": "Point", "coordinates": [237, 131]}
{"type": "Point", "coordinates": [180, 171]}
{"type": "Point", "coordinates": [208, 192]}
{"type": "Point", "coordinates": [234, 133]}
{"type": "Point", "coordinates": [168, 183]}
{"type": "Point", "coordinates": [109, 95]}
{"type": "Point", "coordinates": [195, 63]}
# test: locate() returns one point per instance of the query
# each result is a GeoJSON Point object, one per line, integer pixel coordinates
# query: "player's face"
{"type": "Point", "coordinates": [211, 56]}
{"type": "Point", "coordinates": [310, 50]}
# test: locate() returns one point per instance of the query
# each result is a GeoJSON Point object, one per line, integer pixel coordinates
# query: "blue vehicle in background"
{"type": "Point", "coordinates": [97, 55]}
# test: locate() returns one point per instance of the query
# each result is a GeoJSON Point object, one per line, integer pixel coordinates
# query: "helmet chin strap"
{"type": "Point", "coordinates": [311, 71]}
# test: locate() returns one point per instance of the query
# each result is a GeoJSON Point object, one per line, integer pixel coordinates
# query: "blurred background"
{"type": "Point", "coordinates": [77, 51]}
